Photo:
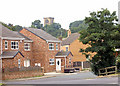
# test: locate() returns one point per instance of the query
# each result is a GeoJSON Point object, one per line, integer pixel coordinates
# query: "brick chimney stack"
{"type": "Point", "coordinates": [69, 32]}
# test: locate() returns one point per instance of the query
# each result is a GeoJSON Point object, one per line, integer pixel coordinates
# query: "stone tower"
{"type": "Point", "coordinates": [48, 20]}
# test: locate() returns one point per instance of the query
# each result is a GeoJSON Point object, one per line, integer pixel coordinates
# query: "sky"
{"type": "Point", "coordinates": [24, 12]}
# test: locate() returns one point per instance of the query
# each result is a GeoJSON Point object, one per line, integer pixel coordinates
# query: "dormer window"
{"type": "Point", "coordinates": [6, 44]}
{"type": "Point", "coordinates": [14, 45]}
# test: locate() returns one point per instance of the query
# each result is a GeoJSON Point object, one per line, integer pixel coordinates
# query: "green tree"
{"type": "Point", "coordinates": [55, 30]}
{"type": "Point", "coordinates": [37, 24]}
{"type": "Point", "coordinates": [77, 26]}
{"type": "Point", "coordinates": [103, 36]}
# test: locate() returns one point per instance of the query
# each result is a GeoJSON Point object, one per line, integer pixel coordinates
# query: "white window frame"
{"type": "Point", "coordinates": [19, 63]}
{"type": "Point", "coordinates": [70, 60]}
{"type": "Point", "coordinates": [38, 64]}
{"type": "Point", "coordinates": [26, 63]}
{"type": "Point", "coordinates": [52, 61]}
{"type": "Point", "coordinates": [27, 47]}
{"type": "Point", "coordinates": [56, 46]}
{"type": "Point", "coordinates": [6, 45]}
{"type": "Point", "coordinates": [17, 46]}
{"type": "Point", "coordinates": [51, 46]}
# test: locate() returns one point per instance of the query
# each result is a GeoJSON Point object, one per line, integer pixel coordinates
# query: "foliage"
{"type": "Point", "coordinates": [118, 62]}
{"type": "Point", "coordinates": [37, 24]}
{"type": "Point", "coordinates": [11, 27]}
{"type": "Point", "coordinates": [103, 36]}
{"type": "Point", "coordinates": [55, 30]}
{"type": "Point", "coordinates": [77, 26]}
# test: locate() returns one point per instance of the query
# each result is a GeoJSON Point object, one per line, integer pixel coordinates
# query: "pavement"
{"type": "Point", "coordinates": [66, 78]}
{"type": "Point", "coordinates": [81, 75]}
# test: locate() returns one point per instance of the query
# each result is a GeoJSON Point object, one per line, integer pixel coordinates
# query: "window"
{"type": "Point", "coordinates": [14, 44]}
{"type": "Point", "coordinates": [18, 63]}
{"type": "Point", "coordinates": [27, 46]}
{"type": "Point", "coordinates": [37, 64]}
{"type": "Point", "coordinates": [26, 63]}
{"type": "Point", "coordinates": [6, 44]}
{"type": "Point", "coordinates": [51, 46]}
{"type": "Point", "coordinates": [76, 64]}
{"type": "Point", "coordinates": [56, 46]}
{"type": "Point", "coordinates": [51, 62]}
{"type": "Point", "coordinates": [69, 60]}
{"type": "Point", "coordinates": [66, 48]}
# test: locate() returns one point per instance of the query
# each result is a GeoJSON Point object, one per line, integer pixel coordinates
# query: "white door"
{"type": "Point", "coordinates": [58, 64]}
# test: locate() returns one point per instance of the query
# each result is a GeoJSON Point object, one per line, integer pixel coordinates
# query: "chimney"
{"type": "Point", "coordinates": [69, 32]}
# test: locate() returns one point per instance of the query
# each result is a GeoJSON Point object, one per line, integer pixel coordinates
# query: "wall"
{"type": "Point", "coordinates": [26, 54]}
{"type": "Point", "coordinates": [22, 74]}
{"type": "Point", "coordinates": [41, 52]}
{"type": "Point", "coordinates": [64, 47]}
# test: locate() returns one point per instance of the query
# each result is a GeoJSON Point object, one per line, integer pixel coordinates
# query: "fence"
{"type": "Point", "coordinates": [108, 70]}
{"type": "Point", "coordinates": [13, 73]}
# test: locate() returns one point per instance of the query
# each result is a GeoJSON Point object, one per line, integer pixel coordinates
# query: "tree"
{"type": "Point", "coordinates": [103, 36]}
{"type": "Point", "coordinates": [77, 26]}
{"type": "Point", "coordinates": [37, 24]}
{"type": "Point", "coordinates": [55, 30]}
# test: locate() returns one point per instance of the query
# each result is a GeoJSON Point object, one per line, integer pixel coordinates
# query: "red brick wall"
{"type": "Point", "coordinates": [22, 74]}
{"type": "Point", "coordinates": [26, 54]}
{"type": "Point", "coordinates": [13, 62]}
{"type": "Point", "coordinates": [41, 52]}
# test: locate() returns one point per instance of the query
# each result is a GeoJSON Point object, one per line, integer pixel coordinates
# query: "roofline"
{"type": "Point", "coordinates": [34, 33]}
{"type": "Point", "coordinates": [61, 56]}
{"type": "Point", "coordinates": [28, 41]}
{"type": "Point", "coordinates": [52, 41]}
{"type": "Point", "coordinates": [13, 56]}
{"type": "Point", "coordinates": [12, 38]}
{"type": "Point", "coordinates": [41, 37]}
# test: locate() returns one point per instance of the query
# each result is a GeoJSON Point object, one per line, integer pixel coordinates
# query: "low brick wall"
{"type": "Point", "coordinates": [29, 72]}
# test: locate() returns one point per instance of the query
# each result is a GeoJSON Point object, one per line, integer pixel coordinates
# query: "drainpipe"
{"type": "Point", "coordinates": [65, 62]}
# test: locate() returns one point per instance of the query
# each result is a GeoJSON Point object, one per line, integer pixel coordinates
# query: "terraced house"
{"type": "Point", "coordinates": [32, 47]}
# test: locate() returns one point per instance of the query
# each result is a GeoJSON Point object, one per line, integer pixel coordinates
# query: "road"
{"type": "Point", "coordinates": [79, 78]}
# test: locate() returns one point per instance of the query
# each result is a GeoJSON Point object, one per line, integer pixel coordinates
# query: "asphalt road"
{"type": "Point", "coordinates": [80, 78]}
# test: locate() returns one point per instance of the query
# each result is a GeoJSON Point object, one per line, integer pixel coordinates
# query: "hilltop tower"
{"type": "Point", "coordinates": [48, 20]}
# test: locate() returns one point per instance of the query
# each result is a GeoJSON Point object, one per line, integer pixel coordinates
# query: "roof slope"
{"type": "Point", "coordinates": [70, 39]}
{"type": "Point", "coordinates": [62, 53]}
{"type": "Point", "coordinates": [42, 34]}
{"type": "Point", "coordinates": [8, 33]}
{"type": "Point", "coordinates": [10, 54]}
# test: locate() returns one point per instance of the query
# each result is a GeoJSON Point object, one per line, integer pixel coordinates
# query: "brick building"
{"type": "Point", "coordinates": [45, 47]}
{"type": "Point", "coordinates": [32, 47]}
{"type": "Point", "coordinates": [16, 49]}
{"type": "Point", "coordinates": [71, 43]}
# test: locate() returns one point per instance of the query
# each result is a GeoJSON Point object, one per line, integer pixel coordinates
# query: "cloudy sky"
{"type": "Point", "coordinates": [23, 12]}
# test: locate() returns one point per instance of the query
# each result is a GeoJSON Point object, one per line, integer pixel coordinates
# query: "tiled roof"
{"type": "Point", "coordinates": [42, 34]}
{"type": "Point", "coordinates": [63, 53]}
{"type": "Point", "coordinates": [10, 54]}
{"type": "Point", "coordinates": [5, 32]}
{"type": "Point", "coordinates": [70, 39]}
